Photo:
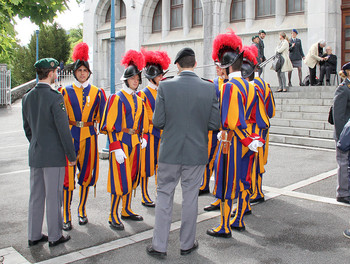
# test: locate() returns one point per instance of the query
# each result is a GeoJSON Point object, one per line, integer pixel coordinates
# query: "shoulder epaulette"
{"type": "Point", "coordinates": [167, 78]}
{"type": "Point", "coordinates": [207, 80]}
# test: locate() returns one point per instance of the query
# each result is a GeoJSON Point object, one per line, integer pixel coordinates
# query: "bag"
{"type": "Point", "coordinates": [330, 116]}
{"type": "Point", "coordinates": [277, 62]}
{"type": "Point", "coordinates": [306, 81]}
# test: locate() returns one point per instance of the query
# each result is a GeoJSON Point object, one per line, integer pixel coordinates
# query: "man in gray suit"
{"type": "Point", "coordinates": [46, 127]}
{"type": "Point", "coordinates": [261, 48]}
{"type": "Point", "coordinates": [186, 109]}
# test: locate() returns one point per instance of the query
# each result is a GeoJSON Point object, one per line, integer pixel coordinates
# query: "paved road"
{"type": "Point", "coordinates": [299, 223]}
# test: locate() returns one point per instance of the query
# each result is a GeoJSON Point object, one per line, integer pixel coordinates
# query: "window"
{"type": "Point", "coordinates": [295, 6]}
{"type": "Point", "coordinates": [237, 10]}
{"type": "Point", "coordinates": [108, 15]}
{"type": "Point", "coordinates": [265, 8]}
{"type": "Point", "coordinates": [157, 18]}
{"type": "Point", "coordinates": [197, 13]}
{"type": "Point", "coordinates": [176, 14]}
{"type": "Point", "coordinates": [122, 10]}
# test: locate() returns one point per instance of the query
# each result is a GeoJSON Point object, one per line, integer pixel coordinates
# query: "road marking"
{"type": "Point", "coordinates": [15, 146]}
{"type": "Point", "coordinates": [11, 256]}
{"type": "Point", "coordinates": [13, 172]}
{"type": "Point", "coordinates": [11, 132]}
{"type": "Point", "coordinates": [299, 146]}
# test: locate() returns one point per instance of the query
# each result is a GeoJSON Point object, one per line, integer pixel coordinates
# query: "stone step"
{"type": "Point", "coordinates": [304, 101]}
{"type": "Point", "coordinates": [306, 95]}
{"type": "Point", "coordinates": [303, 141]}
{"type": "Point", "coordinates": [311, 124]}
{"type": "Point", "coordinates": [302, 132]}
{"type": "Point", "coordinates": [302, 116]}
{"type": "Point", "coordinates": [303, 108]}
{"type": "Point", "coordinates": [308, 89]}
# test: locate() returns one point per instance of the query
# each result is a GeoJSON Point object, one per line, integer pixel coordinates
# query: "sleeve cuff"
{"type": "Point", "coordinates": [246, 141]}
{"type": "Point", "coordinates": [257, 137]}
{"type": "Point", "coordinates": [145, 136]}
{"type": "Point", "coordinates": [114, 146]}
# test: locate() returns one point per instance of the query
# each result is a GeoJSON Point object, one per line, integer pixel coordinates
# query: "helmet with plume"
{"type": "Point", "coordinates": [134, 63]}
{"type": "Point", "coordinates": [156, 62]}
{"type": "Point", "coordinates": [227, 49]}
{"type": "Point", "coordinates": [249, 60]}
{"type": "Point", "coordinates": [80, 57]}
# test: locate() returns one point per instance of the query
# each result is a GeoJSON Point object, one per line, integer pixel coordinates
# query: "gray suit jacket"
{"type": "Point", "coordinates": [341, 107]}
{"type": "Point", "coordinates": [261, 48]}
{"type": "Point", "coordinates": [186, 109]}
{"type": "Point", "coordinates": [45, 123]}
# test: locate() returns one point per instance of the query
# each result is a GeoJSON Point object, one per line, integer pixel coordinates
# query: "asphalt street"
{"type": "Point", "coordinates": [300, 222]}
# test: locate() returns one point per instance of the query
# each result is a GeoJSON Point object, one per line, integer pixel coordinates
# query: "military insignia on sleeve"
{"type": "Point", "coordinates": [63, 107]}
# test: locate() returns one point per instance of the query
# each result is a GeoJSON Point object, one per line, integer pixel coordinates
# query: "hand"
{"type": "Point", "coordinates": [119, 155]}
{"type": "Point", "coordinates": [219, 136]}
{"type": "Point", "coordinates": [72, 163]}
{"type": "Point", "coordinates": [253, 146]}
{"type": "Point", "coordinates": [143, 143]}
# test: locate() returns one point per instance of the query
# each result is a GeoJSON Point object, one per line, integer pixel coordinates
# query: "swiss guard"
{"type": "Point", "coordinates": [85, 104]}
{"type": "Point", "coordinates": [125, 121]}
{"type": "Point", "coordinates": [237, 98]}
{"type": "Point", "coordinates": [156, 64]}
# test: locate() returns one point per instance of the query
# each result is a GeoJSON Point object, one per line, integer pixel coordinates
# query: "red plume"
{"type": "Point", "coordinates": [81, 52]}
{"type": "Point", "coordinates": [133, 57]}
{"type": "Point", "coordinates": [229, 39]}
{"type": "Point", "coordinates": [156, 57]}
{"type": "Point", "coordinates": [250, 53]}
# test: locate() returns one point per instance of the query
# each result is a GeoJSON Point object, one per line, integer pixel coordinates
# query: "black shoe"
{"type": "Point", "coordinates": [212, 207]}
{"type": "Point", "coordinates": [246, 213]}
{"type": "Point", "coordinates": [328, 83]}
{"type": "Point", "coordinates": [238, 228]}
{"type": "Point", "coordinates": [256, 201]}
{"type": "Point", "coordinates": [153, 252]}
{"type": "Point", "coordinates": [346, 233]}
{"type": "Point", "coordinates": [83, 220]}
{"type": "Point", "coordinates": [63, 239]}
{"type": "Point", "coordinates": [148, 204]}
{"type": "Point", "coordinates": [188, 251]}
{"type": "Point", "coordinates": [343, 200]}
{"type": "Point", "coordinates": [301, 84]}
{"type": "Point", "coordinates": [320, 84]}
{"type": "Point", "coordinates": [134, 217]}
{"type": "Point", "coordinates": [279, 90]}
{"type": "Point", "coordinates": [201, 192]}
{"type": "Point", "coordinates": [290, 84]}
{"type": "Point", "coordinates": [44, 238]}
{"type": "Point", "coordinates": [213, 233]}
{"type": "Point", "coordinates": [67, 226]}
{"type": "Point", "coordinates": [116, 226]}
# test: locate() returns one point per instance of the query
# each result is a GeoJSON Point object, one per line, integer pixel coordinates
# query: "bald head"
{"type": "Point", "coordinates": [329, 50]}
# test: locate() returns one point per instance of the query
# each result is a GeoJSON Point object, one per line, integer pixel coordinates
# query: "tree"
{"type": "Point", "coordinates": [75, 36]}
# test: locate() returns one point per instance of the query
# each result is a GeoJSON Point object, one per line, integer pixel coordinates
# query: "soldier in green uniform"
{"type": "Point", "coordinates": [46, 127]}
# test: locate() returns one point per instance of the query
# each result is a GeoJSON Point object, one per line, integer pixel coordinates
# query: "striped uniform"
{"type": "Point", "coordinates": [268, 102]}
{"type": "Point", "coordinates": [85, 105]}
{"type": "Point", "coordinates": [123, 111]}
{"type": "Point", "coordinates": [237, 99]}
{"type": "Point", "coordinates": [212, 142]}
{"type": "Point", "coordinates": [149, 155]}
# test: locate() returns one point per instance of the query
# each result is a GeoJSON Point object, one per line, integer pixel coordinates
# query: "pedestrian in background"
{"type": "Point", "coordinates": [283, 48]}
{"type": "Point", "coordinates": [46, 127]}
{"type": "Point", "coordinates": [296, 56]}
{"type": "Point", "coordinates": [313, 58]}
{"type": "Point", "coordinates": [261, 54]}
{"type": "Point", "coordinates": [186, 109]}
{"type": "Point", "coordinates": [327, 66]}
{"type": "Point", "coordinates": [341, 115]}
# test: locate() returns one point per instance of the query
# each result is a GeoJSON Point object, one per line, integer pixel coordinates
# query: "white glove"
{"type": "Point", "coordinates": [260, 144]}
{"type": "Point", "coordinates": [119, 155]}
{"type": "Point", "coordinates": [143, 143]}
{"type": "Point", "coordinates": [253, 146]}
{"type": "Point", "coordinates": [219, 136]}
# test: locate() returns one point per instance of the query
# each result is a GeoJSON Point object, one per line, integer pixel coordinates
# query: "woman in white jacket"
{"type": "Point", "coordinates": [283, 48]}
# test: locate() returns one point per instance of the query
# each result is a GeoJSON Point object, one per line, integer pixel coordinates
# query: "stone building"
{"type": "Point", "coordinates": [174, 24]}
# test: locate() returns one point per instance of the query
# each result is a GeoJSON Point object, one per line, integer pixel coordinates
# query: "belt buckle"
{"type": "Point", "coordinates": [131, 131]}
{"type": "Point", "coordinates": [80, 124]}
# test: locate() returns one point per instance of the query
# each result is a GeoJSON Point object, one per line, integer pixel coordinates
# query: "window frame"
{"type": "Point", "coordinates": [264, 16]}
{"type": "Point", "coordinates": [295, 12]}
{"type": "Point", "coordinates": [171, 14]}
{"type": "Point", "coordinates": [240, 19]}
{"type": "Point", "coordinates": [122, 4]}
{"type": "Point", "coordinates": [193, 9]}
{"type": "Point", "coordinates": [161, 22]}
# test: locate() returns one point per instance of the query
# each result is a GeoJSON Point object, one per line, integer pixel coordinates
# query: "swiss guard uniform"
{"type": "Point", "coordinates": [236, 147]}
{"type": "Point", "coordinates": [85, 104]}
{"type": "Point", "coordinates": [156, 62]}
{"type": "Point", "coordinates": [125, 121]}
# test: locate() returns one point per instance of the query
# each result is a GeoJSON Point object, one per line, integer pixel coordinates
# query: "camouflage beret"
{"type": "Point", "coordinates": [46, 63]}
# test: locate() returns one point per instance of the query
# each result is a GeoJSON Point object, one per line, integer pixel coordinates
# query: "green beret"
{"type": "Point", "coordinates": [254, 37]}
{"type": "Point", "coordinates": [46, 63]}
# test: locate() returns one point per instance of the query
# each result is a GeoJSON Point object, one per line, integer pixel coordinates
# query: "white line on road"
{"type": "Point", "coordinates": [13, 172]}
{"type": "Point", "coordinates": [11, 132]}
{"type": "Point", "coordinates": [15, 146]}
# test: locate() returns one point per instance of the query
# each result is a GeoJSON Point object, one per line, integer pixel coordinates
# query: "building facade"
{"type": "Point", "coordinates": [173, 24]}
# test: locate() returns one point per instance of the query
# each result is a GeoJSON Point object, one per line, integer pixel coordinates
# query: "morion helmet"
{"type": "Point", "coordinates": [156, 62]}
{"type": "Point", "coordinates": [249, 60]}
{"type": "Point", "coordinates": [134, 62]}
{"type": "Point", "coordinates": [80, 57]}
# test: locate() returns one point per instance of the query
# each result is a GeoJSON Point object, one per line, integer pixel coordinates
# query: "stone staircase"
{"type": "Point", "coordinates": [302, 117]}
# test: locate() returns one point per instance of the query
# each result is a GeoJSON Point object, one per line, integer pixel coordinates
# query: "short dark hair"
{"type": "Point", "coordinates": [187, 61]}
{"type": "Point", "coordinates": [43, 73]}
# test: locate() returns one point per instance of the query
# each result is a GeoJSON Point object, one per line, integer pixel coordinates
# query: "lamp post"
{"type": "Point", "coordinates": [37, 49]}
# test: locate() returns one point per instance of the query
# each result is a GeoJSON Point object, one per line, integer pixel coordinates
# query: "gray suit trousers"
{"type": "Point", "coordinates": [167, 179]}
{"type": "Point", "coordinates": [343, 173]}
{"type": "Point", "coordinates": [46, 184]}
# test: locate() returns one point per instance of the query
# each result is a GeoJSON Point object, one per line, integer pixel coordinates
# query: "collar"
{"type": "Point", "coordinates": [252, 82]}
{"type": "Point", "coordinates": [39, 82]}
{"type": "Point", "coordinates": [256, 74]}
{"type": "Point", "coordinates": [85, 84]}
{"type": "Point", "coordinates": [152, 86]}
{"type": "Point", "coordinates": [236, 74]}
{"type": "Point", "coordinates": [187, 71]}
{"type": "Point", "coordinates": [128, 90]}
